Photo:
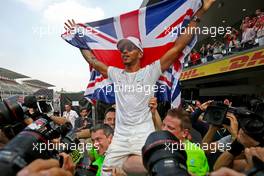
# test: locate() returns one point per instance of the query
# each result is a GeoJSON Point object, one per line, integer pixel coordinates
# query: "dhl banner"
{"type": "Point", "coordinates": [247, 60]}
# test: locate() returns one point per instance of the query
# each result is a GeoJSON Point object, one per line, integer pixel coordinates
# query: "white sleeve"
{"type": "Point", "coordinates": [75, 115]}
{"type": "Point", "coordinates": [112, 73]}
{"type": "Point", "coordinates": [154, 70]}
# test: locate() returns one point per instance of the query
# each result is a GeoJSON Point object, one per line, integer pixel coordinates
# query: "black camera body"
{"type": "Point", "coordinates": [216, 114]}
{"type": "Point", "coordinates": [22, 149]}
{"type": "Point", "coordinates": [13, 114]}
{"type": "Point", "coordinates": [159, 157]}
{"type": "Point", "coordinates": [251, 122]}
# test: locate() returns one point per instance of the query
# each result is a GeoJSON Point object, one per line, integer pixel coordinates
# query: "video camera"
{"type": "Point", "coordinates": [250, 122]}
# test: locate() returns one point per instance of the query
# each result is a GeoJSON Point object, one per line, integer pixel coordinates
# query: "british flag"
{"type": "Point", "coordinates": [157, 27]}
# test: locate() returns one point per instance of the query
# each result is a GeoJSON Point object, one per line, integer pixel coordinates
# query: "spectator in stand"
{"type": "Point", "coordinates": [70, 114]}
{"type": "Point", "coordinates": [210, 50]}
{"type": "Point", "coordinates": [232, 42]}
{"type": "Point", "coordinates": [217, 53]}
{"type": "Point", "coordinates": [259, 27]}
{"type": "Point", "coordinates": [195, 58]}
{"type": "Point", "coordinates": [203, 51]}
{"type": "Point", "coordinates": [248, 33]}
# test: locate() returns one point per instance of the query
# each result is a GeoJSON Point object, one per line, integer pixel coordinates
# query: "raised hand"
{"type": "Point", "coordinates": [233, 128]}
{"type": "Point", "coordinates": [153, 104]}
{"type": "Point", "coordinates": [207, 4]}
{"type": "Point", "coordinates": [69, 25]}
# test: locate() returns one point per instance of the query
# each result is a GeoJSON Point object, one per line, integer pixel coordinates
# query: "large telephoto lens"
{"type": "Point", "coordinates": [160, 157]}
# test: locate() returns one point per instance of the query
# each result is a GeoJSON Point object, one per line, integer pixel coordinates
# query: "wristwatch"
{"type": "Point", "coordinates": [196, 19]}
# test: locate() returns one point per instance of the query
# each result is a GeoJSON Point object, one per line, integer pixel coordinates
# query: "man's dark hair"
{"type": "Point", "coordinates": [69, 104]}
{"type": "Point", "coordinates": [181, 115]}
{"type": "Point", "coordinates": [106, 128]}
{"type": "Point", "coordinates": [83, 109]}
{"type": "Point", "coordinates": [110, 109]}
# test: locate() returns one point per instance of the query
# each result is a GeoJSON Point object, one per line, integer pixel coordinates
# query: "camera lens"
{"type": "Point", "coordinates": [159, 158]}
{"type": "Point", "coordinates": [10, 112]}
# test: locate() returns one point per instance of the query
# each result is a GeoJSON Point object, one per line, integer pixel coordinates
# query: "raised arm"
{"type": "Point", "coordinates": [96, 64]}
{"type": "Point", "coordinates": [171, 55]}
{"type": "Point", "coordinates": [87, 54]}
{"type": "Point", "coordinates": [153, 104]}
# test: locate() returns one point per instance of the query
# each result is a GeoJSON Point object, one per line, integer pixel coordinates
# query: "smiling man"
{"type": "Point", "coordinates": [133, 116]}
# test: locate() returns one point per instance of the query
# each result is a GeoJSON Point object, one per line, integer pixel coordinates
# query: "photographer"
{"type": "Point", "coordinates": [250, 153]}
{"type": "Point", "coordinates": [237, 147]}
{"type": "Point", "coordinates": [197, 123]}
{"type": "Point", "coordinates": [233, 130]}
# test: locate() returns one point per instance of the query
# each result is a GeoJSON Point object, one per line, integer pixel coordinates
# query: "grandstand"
{"type": "Point", "coordinates": [10, 87]}
{"type": "Point", "coordinates": [35, 84]}
{"type": "Point", "coordinates": [237, 75]}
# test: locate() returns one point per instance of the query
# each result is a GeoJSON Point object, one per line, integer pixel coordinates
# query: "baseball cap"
{"type": "Point", "coordinates": [135, 41]}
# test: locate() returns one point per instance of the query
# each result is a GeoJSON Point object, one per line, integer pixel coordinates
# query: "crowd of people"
{"type": "Point", "coordinates": [225, 149]}
{"type": "Point", "coordinates": [250, 34]}
{"type": "Point", "coordinates": [212, 138]}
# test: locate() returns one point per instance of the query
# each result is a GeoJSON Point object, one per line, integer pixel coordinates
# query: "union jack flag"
{"type": "Point", "coordinates": [157, 27]}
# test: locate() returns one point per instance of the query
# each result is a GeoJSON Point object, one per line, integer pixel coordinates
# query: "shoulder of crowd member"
{"type": "Point", "coordinates": [196, 159]}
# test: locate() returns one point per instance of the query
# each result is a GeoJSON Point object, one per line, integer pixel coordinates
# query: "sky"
{"type": "Point", "coordinates": [30, 37]}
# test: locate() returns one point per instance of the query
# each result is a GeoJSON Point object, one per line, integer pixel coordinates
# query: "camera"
{"type": "Point", "coordinates": [22, 150]}
{"type": "Point", "coordinates": [44, 106]}
{"type": "Point", "coordinates": [39, 105]}
{"type": "Point", "coordinates": [13, 114]}
{"type": "Point", "coordinates": [159, 157]}
{"type": "Point", "coordinates": [216, 114]}
{"type": "Point", "coordinates": [251, 122]}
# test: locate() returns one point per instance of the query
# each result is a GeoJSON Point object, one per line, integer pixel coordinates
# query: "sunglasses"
{"type": "Point", "coordinates": [127, 47]}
